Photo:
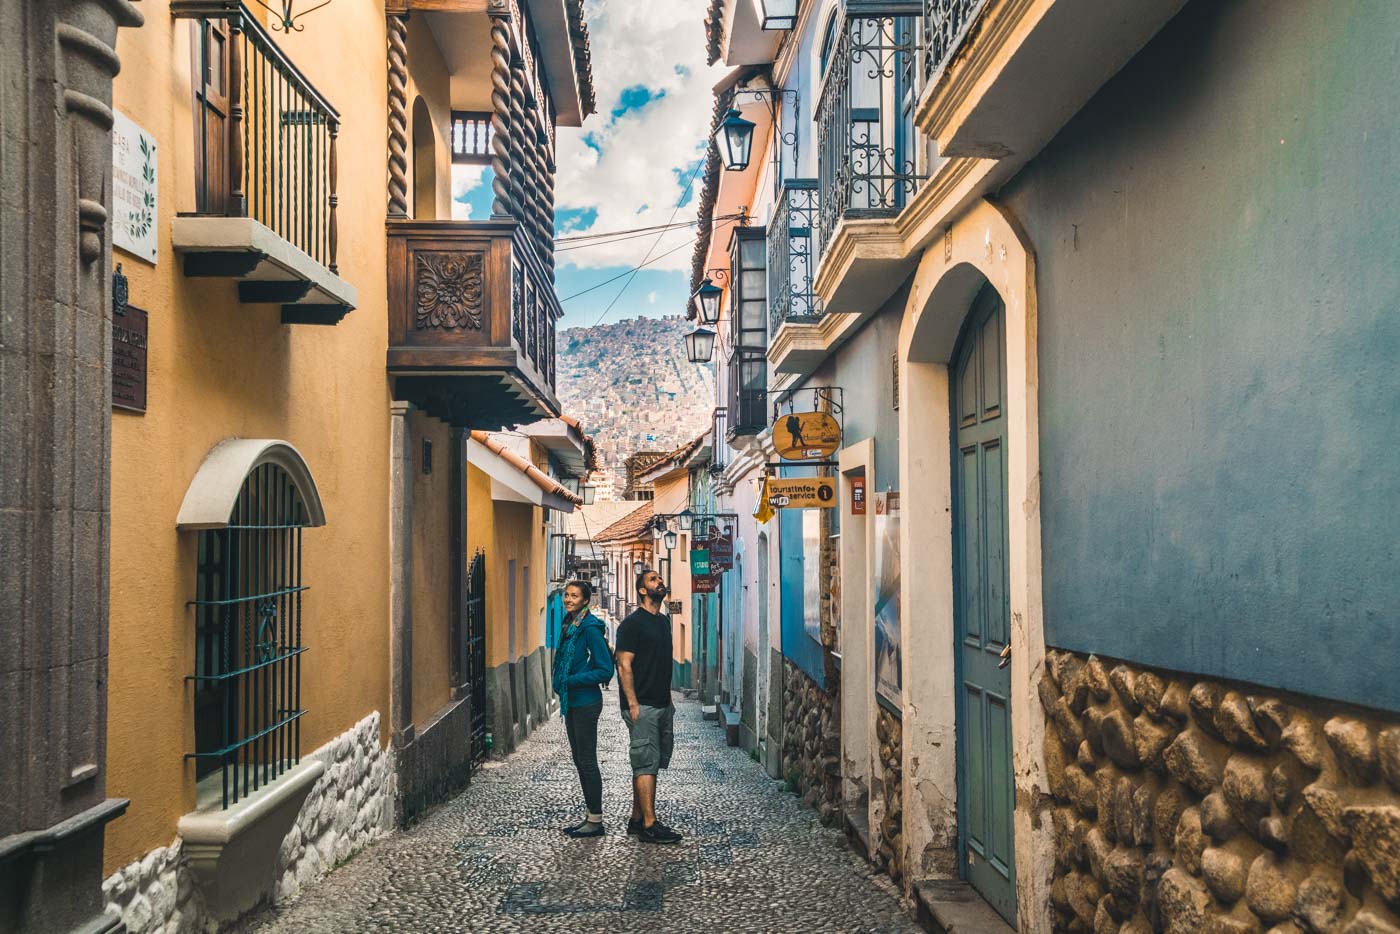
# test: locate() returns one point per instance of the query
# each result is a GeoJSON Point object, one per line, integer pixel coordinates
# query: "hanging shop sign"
{"type": "Point", "coordinates": [857, 496]}
{"type": "Point", "coordinates": [133, 189]}
{"type": "Point", "coordinates": [806, 436]}
{"type": "Point", "coordinates": [706, 583]}
{"type": "Point", "coordinates": [699, 561]}
{"type": "Point", "coordinates": [722, 552]}
{"type": "Point", "coordinates": [802, 493]}
{"type": "Point", "coordinates": [674, 606]}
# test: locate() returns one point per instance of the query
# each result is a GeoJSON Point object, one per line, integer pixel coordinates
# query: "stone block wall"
{"type": "Point", "coordinates": [1185, 805]}
{"type": "Point", "coordinates": [351, 805]}
{"type": "Point", "coordinates": [887, 795]}
{"type": "Point", "coordinates": [812, 741]}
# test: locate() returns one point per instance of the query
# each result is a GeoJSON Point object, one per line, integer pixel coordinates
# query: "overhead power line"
{"type": "Point", "coordinates": [633, 270]}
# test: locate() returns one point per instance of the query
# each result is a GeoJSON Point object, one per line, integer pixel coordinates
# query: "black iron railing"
{"type": "Point", "coordinates": [248, 647]}
{"type": "Point", "coordinates": [475, 613]}
{"type": "Point", "coordinates": [265, 138]}
{"type": "Point", "coordinates": [946, 23]}
{"type": "Point", "coordinates": [792, 255]}
{"type": "Point", "coordinates": [748, 391]}
{"type": "Point", "coordinates": [866, 163]}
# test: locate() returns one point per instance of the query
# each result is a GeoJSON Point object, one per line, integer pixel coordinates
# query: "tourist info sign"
{"type": "Point", "coordinates": [802, 493]}
{"type": "Point", "coordinates": [806, 436]}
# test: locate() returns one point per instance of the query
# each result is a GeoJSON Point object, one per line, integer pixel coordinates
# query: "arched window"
{"type": "Point", "coordinates": [424, 163]}
{"type": "Point", "coordinates": [829, 39]}
{"type": "Point", "coordinates": [249, 503]}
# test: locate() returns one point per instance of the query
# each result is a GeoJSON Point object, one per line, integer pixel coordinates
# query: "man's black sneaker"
{"type": "Point", "coordinates": [634, 826]}
{"type": "Point", "coordinates": [587, 829]}
{"type": "Point", "coordinates": [658, 833]}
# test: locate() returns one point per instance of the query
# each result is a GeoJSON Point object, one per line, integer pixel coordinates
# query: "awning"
{"type": "Point", "coordinates": [513, 478]}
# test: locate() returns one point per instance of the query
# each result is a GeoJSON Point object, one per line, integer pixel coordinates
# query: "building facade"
{"type": "Point", "coordinates": [1104, 657]}
{"type": "Point", "coordinates": [287, 349]}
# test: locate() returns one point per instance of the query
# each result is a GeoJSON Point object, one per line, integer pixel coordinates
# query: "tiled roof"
{"type": "Point", "coordinates": [679, 455]}
{"type": "Point", "coordinates": [583, 56]}
{"type": "Point", "coordinates": [538, 477]}
{"type": "Point", "coordinates": [630, 527]}
{"type": "Point", "coordinates": [714, 31]}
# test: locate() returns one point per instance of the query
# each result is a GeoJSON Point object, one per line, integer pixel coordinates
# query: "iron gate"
{"type": "Point", "coordinates": [476, 651]}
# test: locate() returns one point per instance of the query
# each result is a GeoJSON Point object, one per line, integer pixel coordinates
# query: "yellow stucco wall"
{"type": "Point", "coordinates": [507, 531]}
{"type": "Point", "coordinates": [218, 369]}
{"type": "Point", "coordinates": [432, 568]}
{"type": "Point", "coordinates": [428, 79]}
{"type": "Point", "coordinates": [672, 496]}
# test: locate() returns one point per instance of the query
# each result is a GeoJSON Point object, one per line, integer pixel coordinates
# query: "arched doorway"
{"type": "Point", "coordinates": [424, 163]}
{"type": "Point", "coordinates": [981, 609]}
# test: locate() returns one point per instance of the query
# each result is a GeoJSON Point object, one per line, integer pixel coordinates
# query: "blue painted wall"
{"type": "Point", "coordinates": [799, 647]}
{"type": "Point", "coordinates": [1218, 273]}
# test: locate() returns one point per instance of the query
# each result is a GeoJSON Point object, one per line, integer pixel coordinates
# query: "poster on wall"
{"type": "Point", "coordinates": [887, 620]}
{"type": "Point", "coordinates": [133, 188]}
{"type": "Point", "coordinates": [811, 574]}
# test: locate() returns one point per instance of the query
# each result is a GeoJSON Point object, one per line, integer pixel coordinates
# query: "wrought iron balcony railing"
{"type": "Point", "coordinates": [945, 26]}
{"type": "Point", "coordinates": [720, 455]}
{"type": "Point", "coordinates": [265, 138]}
{"type": "Point", "coordinates": [748, 392]}
{"type": "Point", "coordinates": [792, 255]}
{"type": "Point", "coordinates": [866, 164]}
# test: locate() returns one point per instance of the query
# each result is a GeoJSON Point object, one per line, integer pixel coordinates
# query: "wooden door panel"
{"type": "Point", "coordinates": [985, 791]}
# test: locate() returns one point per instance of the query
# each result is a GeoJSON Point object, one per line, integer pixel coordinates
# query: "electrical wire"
{"type": "Point", "coordinates": [636, 230]}
{"type": "Point", "coordinates": [630, 272]}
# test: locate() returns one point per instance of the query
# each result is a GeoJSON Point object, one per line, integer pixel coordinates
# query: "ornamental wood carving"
{"type": "Point", "coordinates": [449, 290]}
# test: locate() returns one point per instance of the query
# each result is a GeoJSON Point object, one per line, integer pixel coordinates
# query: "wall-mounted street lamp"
{"type": "Point", "coordinates": [672, 540]}
{"type": "Point", "coordinates": [734, 140]}
{"type": "Point", "coordinates": [778, 14]}
{"type": "Point", "coordinates": [686, 519]}
{"type": "Point", "coordinates": [590, 494]}
{"type": "Point", "coordinates": [700, 345]}
{"type": "Point", "coordinates": [638, 567]}
{"type": "Point", "coordinates": [285, 12]}
{"type": "Point", "coordinates": [706, 302]}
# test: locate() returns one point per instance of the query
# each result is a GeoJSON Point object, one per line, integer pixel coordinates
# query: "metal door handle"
{"type": "Point", "coordinates": [1005, 656]}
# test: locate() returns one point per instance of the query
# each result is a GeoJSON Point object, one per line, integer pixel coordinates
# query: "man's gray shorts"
{"type": "Point", "coordinates": [653, 738]}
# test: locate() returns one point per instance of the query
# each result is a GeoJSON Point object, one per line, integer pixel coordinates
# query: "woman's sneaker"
{"type": "Point", "coordinates": [658, 833]}
{"type": "Point", "coordinates": [587, 829]}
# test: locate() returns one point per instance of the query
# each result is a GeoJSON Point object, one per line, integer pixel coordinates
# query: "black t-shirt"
{"type": "Point", "coordinates": [648, 637]}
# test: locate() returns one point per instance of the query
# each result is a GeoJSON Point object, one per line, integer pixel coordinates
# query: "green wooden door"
{"type": "Point", "coordinates": [981, 609]}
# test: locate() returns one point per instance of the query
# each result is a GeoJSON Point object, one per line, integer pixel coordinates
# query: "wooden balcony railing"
{"type": "Point", "coordinates": [471, 298]}
{"type": "Point", "coordinates": [265, 138]}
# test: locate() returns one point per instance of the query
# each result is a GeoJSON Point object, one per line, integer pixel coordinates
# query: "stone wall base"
{"type": "Point", "coordinates": [518, 699]}
{"type": "Point", "coordinates": [351, 805]}
{"type": "Point", "coordinates": [437, 764]}
{"type": "Point", "coordinates": [1186, 805]}
{"type": "Point", "coordinates": [887, 796]}
{"type": "Point", "coordinates": [812, 742]}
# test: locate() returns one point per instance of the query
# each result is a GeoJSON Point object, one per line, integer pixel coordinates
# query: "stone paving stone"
{"type": "Point", "coordinates": [493, 859]}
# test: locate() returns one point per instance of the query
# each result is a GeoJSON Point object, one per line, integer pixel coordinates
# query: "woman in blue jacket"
{"type": "Point", "coordinates": [582, 665]}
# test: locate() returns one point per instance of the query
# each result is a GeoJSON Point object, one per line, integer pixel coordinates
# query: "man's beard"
{"type": "Point", "coordinates": [660, 592]}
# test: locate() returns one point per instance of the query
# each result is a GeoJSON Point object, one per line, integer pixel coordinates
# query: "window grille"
{"type": "Point", "coordinates": [248, 638]}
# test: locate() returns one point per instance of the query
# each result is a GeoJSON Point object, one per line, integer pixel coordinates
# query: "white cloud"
{"type": "Point", "coordinates": [464, 179]}
{"type": "Point", "coordinates": [651, 298]}
{"type": "Point", "coordinates": [633, 182]}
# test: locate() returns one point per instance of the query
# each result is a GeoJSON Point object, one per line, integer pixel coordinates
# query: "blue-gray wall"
{"type": "Point", "coordinates": [1218, 250]}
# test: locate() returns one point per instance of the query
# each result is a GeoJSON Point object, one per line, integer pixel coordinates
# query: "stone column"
{"type": "Point", "coordinates": [57, 61]}
{"type": "Point", "coordinates": [401, 573]}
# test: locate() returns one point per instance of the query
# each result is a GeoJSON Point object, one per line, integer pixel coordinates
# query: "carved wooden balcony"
{"type": "Point", "coordinates": [472, 315]}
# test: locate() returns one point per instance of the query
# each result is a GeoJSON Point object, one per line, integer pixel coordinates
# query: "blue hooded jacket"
{"type": "Point", "coordinates": [588, 661]}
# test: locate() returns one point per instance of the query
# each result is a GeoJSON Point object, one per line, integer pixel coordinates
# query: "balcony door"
{"type": "Point", "coordinates": [210, 72]}
{"type": "Point", "coordinates": [981, 606]}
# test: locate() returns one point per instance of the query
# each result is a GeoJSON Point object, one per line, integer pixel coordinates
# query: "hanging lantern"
{"type": "Point", "coordinates": [700, 345]}
{"type": "Point", "coordinates": [672, 540]}
{"type": "Point", "coordinates": [779, 14]}
{"type": "Point", "coordinates": [686, 518]}
{"type": "Point", "coordinates": [706, 302]}
{"type": "Point", "coordinates": [734, 139]}
{"type": "Point", "coordinates": [590, 494]}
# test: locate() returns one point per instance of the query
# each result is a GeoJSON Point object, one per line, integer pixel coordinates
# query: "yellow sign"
{"type": "Point", "coordinates": [764, 510]}
{"type": "Point", "coordinates": [802, 493]}
{"type": "Point", "coordinates": [806, 436]}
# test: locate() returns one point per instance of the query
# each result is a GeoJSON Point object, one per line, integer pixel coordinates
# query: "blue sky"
{"type": "Point", "coordinates": [627, 167]}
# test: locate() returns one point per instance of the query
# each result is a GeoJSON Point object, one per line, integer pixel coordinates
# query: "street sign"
{"type": "Point", "coordinates": [857, 496]}
{"type": "Point", "coordinates": [802, 493]}
{"type": "Point", "coordinates": [722, 552]}
{"type": "Point", "coordinates": [699, 561]}
{"type": "Point", "coordinates": [674, 606]}
{"type": "Point", "coordinates": [806, 436]}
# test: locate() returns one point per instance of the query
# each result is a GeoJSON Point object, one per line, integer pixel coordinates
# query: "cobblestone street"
{"type": "Point", "coordinates": [493, 859]}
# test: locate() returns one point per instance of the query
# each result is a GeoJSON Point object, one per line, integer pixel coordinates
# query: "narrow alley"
{"type": "Point", "coordinates": [493, 858]}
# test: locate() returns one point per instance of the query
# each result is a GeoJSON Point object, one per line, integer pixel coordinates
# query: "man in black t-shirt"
{"type": "Point", "coordinates": [644, 671]}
